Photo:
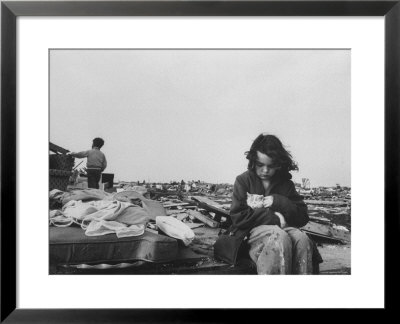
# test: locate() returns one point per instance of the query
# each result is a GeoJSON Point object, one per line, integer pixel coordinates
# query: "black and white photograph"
{"type": "Point", "coordinates": [160, 157]}
{"type": "Point", "coordinates": [199, 161]}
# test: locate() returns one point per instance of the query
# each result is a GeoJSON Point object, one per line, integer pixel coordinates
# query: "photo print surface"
{"type": "Point", "coordinates": [200, 161]}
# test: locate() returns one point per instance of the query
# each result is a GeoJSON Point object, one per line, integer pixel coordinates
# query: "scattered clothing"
{"type": "Point", "coordinates": [123, 212]}
{"type": "Point", "coordinates": [100, 217]}
{"type": "Point", "coordinates": [86, 195]}
{"type": "Point", "coordinates": [55, 194]}
{"type": "Point", "coordinates": [57, 218]}
{"type": "Point", "coordinates": [175, 228]}
{"type": "Point", "coordinates": [96, 228]}
{"type": "Point", "coordinates": [152, 207]}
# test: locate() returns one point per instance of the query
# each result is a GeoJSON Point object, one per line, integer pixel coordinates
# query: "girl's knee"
{"type": "Point", "coordinates": [297, 235]}
{"type": "Point", "coordinates": [272, 253]}
{"type": "Point", "coordinates": [275, 229]}
{"type": "Point", "coordinates": [279, 241]}
{"type": "Point", "coordinates": [269, 238]}
{"type": "Point", "coordinates": [278, 235]}
{"type": "Point", "coordinates": [300, 240]}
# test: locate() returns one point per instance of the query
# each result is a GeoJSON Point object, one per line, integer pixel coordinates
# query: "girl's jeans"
{"type": "Point", "coordinates": [281, 251]}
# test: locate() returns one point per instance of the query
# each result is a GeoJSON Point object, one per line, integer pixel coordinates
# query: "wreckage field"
{"type": "Point", "coordinates": [154, 246]}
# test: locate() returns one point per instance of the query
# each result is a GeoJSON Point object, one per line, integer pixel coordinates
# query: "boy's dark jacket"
{"type": "Point", "coordinates": [286, 201]}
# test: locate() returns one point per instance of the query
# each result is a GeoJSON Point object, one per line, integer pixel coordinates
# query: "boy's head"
{"type": "Point", "coordinates": [98, 142]}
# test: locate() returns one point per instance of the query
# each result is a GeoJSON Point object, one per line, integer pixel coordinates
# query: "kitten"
{"type": "Point", "coordinates": [254, 201]}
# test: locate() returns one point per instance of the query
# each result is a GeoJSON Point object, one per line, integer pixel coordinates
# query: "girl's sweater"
{"type": "Point", "coordinates": [286, 201]}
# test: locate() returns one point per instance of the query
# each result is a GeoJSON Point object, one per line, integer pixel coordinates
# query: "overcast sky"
{"type": "Point", "coordinates": [191, 114]}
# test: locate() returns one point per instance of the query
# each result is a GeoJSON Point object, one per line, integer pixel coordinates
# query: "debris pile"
{"type": "Point", "coordinates": [192, 212]}
{"type": "Point", "coordinates": [199, 204]}
{"type": "Point", "coordinates": [60, 167]}
{"type": "Point", "coordinates": [329, 210]}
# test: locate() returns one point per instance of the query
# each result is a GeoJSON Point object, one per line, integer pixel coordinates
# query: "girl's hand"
{"type": "Point", "coordinates": [282, 219]}
{"type": "Point", "coordinates": [268, 201]}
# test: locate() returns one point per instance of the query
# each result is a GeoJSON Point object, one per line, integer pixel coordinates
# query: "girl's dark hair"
{"type": "Point", "coordinates": [98, 142]}
{"type": "Point", "coordinates": [272, 146]}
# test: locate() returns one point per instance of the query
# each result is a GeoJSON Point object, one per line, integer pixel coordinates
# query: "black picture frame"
{"type": "Point", "coordinates": [10, 10]}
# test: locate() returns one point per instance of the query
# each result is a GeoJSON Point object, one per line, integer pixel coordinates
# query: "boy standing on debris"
{"type": "Point", "coordinates": [268, 209]}
{"type": "Point", "coordinates": [96, 162]}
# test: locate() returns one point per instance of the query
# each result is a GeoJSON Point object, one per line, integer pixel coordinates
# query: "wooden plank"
{"type": "Point", "coordinates": [151, 231]}
{"type": "Point", "coordinates": [181, 216]}
{"type": "Point", "coordinates": [326, 202]}
{"type": "Point", "coordinates": [317, 228]}
{"type": "Point", "coordinates": [57, 149]}
{"type": "Point", "coordinates": [327, 231]}
{"type": "Point", "coordinates": [210, 205]}
{"type": "Point", "coordinates": [319, 219]}
{"type": "Point", "coordinates": [167, 205]}
{"type": "Point", "coordinates": [194, 225]}
{"type": "Point", "coordinates": [204, 219]}
{"type": "Point", "coordinates": [341, 234]}
{"type": "Point", "coordinates": [206, 200]}
{"type": "Point", "coordinates": [324, 238]}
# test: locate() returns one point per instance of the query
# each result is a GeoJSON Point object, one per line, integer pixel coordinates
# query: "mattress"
{"type": "Point", "coordinates": [70, 245]}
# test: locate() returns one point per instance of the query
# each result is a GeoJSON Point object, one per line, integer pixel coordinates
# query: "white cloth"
{"type": "Point", "coordinates": [102, 227]}
{"type": "Point", "coordinates": [103, 217]}
{"type": "Point", "coordinates": [89, 194]}
{"type": "Point", "coordinates": [123, 212]}
{"type": "Point", "coordinates": [57, 218]}
{"type": "Point", "coordinates": [55, 194]}
{"type": "Point", "coordinates": [175, 228]}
